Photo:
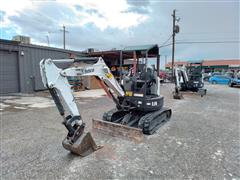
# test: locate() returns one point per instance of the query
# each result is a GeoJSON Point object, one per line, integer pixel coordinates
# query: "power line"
{"type": "Point", "coordinates": [193, 33]}
{"type": "Point", "coordinates": [166, 41]}
{"type": "Point", "coordinates": [208, 39]}
{"type": "Point", "coordinates": [201, 42]}
{"type": "Point", "coordinates": [205, 42]}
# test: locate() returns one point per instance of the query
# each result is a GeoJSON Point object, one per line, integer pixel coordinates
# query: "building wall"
{"type": "Point", "coordinates": [28, 57]}
{"type": "Point", "coordinates": [29, 66]}
{"type": "Point", "coordinates": [214, 65]}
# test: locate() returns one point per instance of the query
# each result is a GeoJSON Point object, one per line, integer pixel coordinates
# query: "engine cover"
{"type": "Point", "coordinates": [148, 103]}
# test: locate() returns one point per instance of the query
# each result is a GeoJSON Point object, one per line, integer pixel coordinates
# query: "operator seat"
{"type": "Point", "coordinates": [136, 82]}
{"type": "Point", "coordinates": [151, 78]}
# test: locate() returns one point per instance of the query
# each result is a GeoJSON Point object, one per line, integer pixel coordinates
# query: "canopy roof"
{"type": "Point", "coordinates": [127, 52]}
{"type": "Point", "coordinates": [152, 47]}
{"type": "Point", "coordinates": [196, 62]}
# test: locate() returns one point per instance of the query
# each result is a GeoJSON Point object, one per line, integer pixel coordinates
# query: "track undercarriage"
{"type": "Point", "coordinates": [149, 122]}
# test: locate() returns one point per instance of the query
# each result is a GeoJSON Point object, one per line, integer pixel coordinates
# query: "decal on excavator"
{"type": "Point", "coordinates": [109, 75]}
{"type": "Point", "coordinates": [129, 93]}
{"type": "Point", "coordinates": [89, 70]}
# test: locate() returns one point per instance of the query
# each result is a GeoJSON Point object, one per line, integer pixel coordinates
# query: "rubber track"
{"type": "Point", "coordinates": [147, 121]}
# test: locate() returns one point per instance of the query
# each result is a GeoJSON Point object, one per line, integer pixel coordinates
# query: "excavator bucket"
{"type": "Point", "coordinates": [177, 95]}
{"type": "Point", "coordinates": [118, 130]}
{"type": "Point", "coordinates": [84, 145]}
{"type": "Point", "coordinates": [202, 92]}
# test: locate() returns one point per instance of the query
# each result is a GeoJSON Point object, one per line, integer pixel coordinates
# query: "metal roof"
{"type": "Point", "coordinates": [140, 47]}
{"type": "Point", "coordinates": [128, 52]}
{"type": "Point", "coordinates": [17, 43]}
{"type": "Point", "coordinates": [210, 62]}
{"type": "Point", "coordinates": [195, 62]}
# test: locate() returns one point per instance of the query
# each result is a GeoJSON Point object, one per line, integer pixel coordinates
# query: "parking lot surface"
{"type": "Point", "coordinates": [201, 141]}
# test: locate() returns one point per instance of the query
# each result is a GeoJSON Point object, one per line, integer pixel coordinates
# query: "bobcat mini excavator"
{"type": "Point", "coordinates": [189, 79]}
{"type": "Point", "coordinates": [138, 100]}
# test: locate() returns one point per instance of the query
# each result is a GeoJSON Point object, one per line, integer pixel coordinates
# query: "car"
{"type": "Point", "coordinates": [216, 73]}
{"type": "Point", "coordinates": [219, 79]}
{"type": "Point", "coordinates": [168, 76]}
{"type": "Point", "coordinates": [206, 76]}
{"type": "Point", "coordinates": [229, 74]}
{"type": "Point", "coordinates": [163, 76]}
{"type": "Point", "coordinates": [234, 82]}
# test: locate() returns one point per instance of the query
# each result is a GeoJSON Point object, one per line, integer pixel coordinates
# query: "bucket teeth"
{"type": "Point", "coordinates": [83, 146]}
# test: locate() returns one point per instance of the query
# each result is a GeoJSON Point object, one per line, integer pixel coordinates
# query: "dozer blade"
{"type": "Point", "coordinates": [115, 129]}
{"type": "Point", "coordinates": [83, 146]}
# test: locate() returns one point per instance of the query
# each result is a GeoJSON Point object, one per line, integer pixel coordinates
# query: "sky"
{"type": "Point", "coordinates": [108, 24]}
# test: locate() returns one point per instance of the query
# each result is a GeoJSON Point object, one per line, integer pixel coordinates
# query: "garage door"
{"type": "Point", "coordinates": [9, 81]}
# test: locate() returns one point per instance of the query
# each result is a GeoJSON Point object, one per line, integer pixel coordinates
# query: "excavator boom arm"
{"type": "Point", "coordinates": [56, 78]}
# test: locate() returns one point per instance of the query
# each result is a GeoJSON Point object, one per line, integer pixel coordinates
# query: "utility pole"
{"type": "Point", "coordinates": [64, 36]}
{"type": "Point", "coordinates": [47, 39]}
{"type": "Point", "coordinates": [64, 40]}
{"type": "Point", "coordinates": [165, 61]}
{"type": "Point", "coordinates": [175, 31]}
{"type": "Point", "coordinates": [173, 40]}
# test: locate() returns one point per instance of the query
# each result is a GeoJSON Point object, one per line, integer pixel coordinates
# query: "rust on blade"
{"type": "Point", "coordinates": [118, 130]}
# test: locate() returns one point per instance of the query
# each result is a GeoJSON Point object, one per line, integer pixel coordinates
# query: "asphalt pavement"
{"type": "Point", "coordinates": [201, 141]}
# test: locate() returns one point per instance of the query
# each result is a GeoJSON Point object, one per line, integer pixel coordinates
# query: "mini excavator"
{"type": "Point", "coordinates": [189, 79]}
{"type": "Point", "coordinates": [138, 100]}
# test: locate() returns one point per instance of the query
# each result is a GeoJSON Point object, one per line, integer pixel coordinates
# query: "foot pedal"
{"type": "Point", "coordinates": [83, 146]}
